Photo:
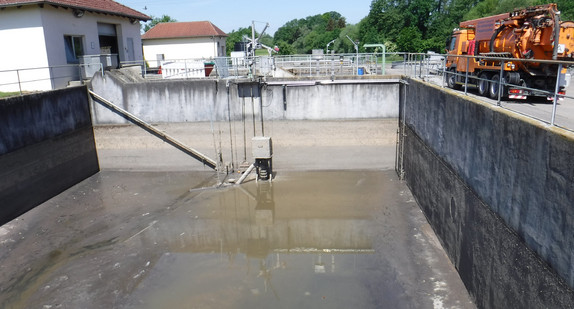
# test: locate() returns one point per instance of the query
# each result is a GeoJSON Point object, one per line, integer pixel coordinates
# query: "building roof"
{"type": "Point", "coordinates": [183, 30]}
{"type": "Point", "coordinates": [97, 6]}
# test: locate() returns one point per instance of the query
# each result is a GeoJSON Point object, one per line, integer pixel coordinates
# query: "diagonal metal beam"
{"type": "Point", "coordinates": [152, 130]}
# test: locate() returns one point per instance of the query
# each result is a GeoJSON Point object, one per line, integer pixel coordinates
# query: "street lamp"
{"type": "Point", "coordinates": [333, 41]}
{"type": "Point", "coordinates": [356, 44]}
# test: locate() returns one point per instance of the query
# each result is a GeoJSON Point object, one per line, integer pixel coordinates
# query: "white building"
{"type": "Point", "coordinates": [62, 35]}
{"type": "Point", "coordinates": [183, 41]}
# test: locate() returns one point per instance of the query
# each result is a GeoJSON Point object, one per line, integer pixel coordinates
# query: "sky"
{"type": "Point", "coordinates": [231, 15]}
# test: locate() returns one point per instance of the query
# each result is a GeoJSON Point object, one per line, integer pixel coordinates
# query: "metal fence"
{"type": "Point", "coordinates": [276, 66]}
{"type": "Point", "coordinates": [429, 67]}
{"type": "Point", "coordinates": [549, 106]}
{"type": "Point", "coordinates": [45, 78]}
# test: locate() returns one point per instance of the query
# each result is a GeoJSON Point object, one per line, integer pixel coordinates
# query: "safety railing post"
{"type": "Point", "coordinates": [405, 63]}
{"type": "Point", "coordinates": [500, 82]}
{"type": "Point", "coordinates": [443, 72]}
{"type": "Point", "coordinates": [420, 65]}
{"type": "Point", "coordinates": [19, 83]}
{"type": "Point", "coordinates": [466, 77]}
{"type": "Point", "coordinates": [555, 104]}
{"type": "Point", "coordinates": [53, 85]}
{"type": "Point", "coordinates": [384, 62]}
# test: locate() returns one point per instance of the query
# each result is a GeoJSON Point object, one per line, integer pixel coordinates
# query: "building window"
{"type": "Point", "coordinates": [74, 48]}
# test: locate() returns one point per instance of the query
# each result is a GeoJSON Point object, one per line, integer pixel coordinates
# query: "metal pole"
{"type": "Point", "coordinates": [253, 113]}
{"type": "Point", "coordinates": [500, 82]}
{"type": "Point", "coordinates": [19, 83]}
{"type": "Point", "coordinates": [405, 63]}
{"type": "Point", "coordinates": [244, 131]}
{"type": "Point", "coordinates": [466, 77]}
{"type": "Point", "coordinates": [332, 65]}
{"type": "Point", "coordinates": [384, 61]}
{"type": "Point", "coordinates": [421, 61]}
{"type": "Point", "coordinates": [444, 72]}
{"type": "Point", "coordinates": [51, 79]}
{"type": "Point", "coordinates": [556, 94]}
{"type": "Point", "coordinates": [261, 110]}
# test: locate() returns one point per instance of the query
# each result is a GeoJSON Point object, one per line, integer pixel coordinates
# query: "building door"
{"type": "Point", "coordinates": [108, 44]}
{"type": "Point", "coordinates": [130, 47]}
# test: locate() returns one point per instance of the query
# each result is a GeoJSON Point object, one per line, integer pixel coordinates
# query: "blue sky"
{"type": "Point", "coordinates": [232, 14]}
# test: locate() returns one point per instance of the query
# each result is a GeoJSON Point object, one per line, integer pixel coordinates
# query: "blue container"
{"type": "Point", "coordinates": [360, 71]}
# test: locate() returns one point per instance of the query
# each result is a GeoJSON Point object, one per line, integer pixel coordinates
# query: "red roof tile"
{"type": "Point", "coordinates": [183, 30]}
{"type": "Point", "coordinates": [99, 6]}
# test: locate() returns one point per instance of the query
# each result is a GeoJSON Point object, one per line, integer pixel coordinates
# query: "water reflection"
{"type": "Point", "coordinates": [287, 242]}
{"type": "Point", "coordinates": [336, 239]}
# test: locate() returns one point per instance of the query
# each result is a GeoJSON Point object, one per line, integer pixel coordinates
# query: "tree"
{"type": "Point", "coordinates": [238, 36]}
{"type": "Point", "coordinates": [410, 40]}
{"type": "Point", "coordinates": [312, 32]}
{"type": "Point", "coordinates": [566, 8]}
{"type": "Point", "coordinates": [414, 25]}
{"type": "Point", "coordinates": [156, 20]}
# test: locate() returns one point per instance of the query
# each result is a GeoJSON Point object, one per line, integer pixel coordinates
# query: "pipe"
{"type": "Point", "coordinates": [556, 20]}
{"type": "Point", "coordinates": [245, 174]}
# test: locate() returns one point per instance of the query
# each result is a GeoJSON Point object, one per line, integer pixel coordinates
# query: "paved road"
{"type": "Point", "coordinates": [540, 109]}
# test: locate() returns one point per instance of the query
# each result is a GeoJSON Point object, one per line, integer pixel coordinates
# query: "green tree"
{"type": "Point", "coordinates": [239, 34]}
{"type": "Point", "coordinates": [313, 32]}
{"type": "Point", "coordinates": [566, 8]}
{"type": "Point", "coordinates": [156, 20]}
{"type": "Point", "coordinates": [285, 48]}
{"type": "Point", "coordinates": [410, 40]}
{"type": "Point", "coordinates": [417, 25]}
{"type": "Point", "coordinates": [236, 36]}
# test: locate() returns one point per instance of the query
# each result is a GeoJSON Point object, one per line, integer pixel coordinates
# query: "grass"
{"type": "Point", "coordinates": [8, 94]}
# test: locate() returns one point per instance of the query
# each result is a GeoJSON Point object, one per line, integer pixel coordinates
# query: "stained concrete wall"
{"type": "Point", "coordinates": [498, 190]}
{"type": "Point", "coordinates": [211, 100]}
{"type": "Point", "coordinates": [46, 146]}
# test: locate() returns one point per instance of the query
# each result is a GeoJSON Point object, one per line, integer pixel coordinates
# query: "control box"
{"type": "Point", "coordinates": [261, 147]}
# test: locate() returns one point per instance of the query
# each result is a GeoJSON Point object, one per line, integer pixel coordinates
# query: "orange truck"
{"type": "Point", "coordinates": [497, 42]}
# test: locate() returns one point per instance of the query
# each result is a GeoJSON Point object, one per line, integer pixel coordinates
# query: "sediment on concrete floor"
{"type": "Point", "coordinates": [297, 145]}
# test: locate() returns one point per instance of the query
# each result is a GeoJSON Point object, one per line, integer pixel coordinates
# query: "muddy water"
{"type": "Point", "coordinates": [336, 239]}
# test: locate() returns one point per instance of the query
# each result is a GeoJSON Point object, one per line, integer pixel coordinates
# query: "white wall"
{"type": "Point", "coordinates": [186, 48]}
{"type": "Point", "coordinates": [60, 22]}
{"type": "Point", "coordinates": [23, 47]}
{"type": "Point", "coordinates": [33, 37]}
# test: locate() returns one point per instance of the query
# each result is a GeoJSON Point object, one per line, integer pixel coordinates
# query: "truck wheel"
{"type": "Point", "coordinates": [482, 84]}
{"type": "Point", "coordinates": [451, 80]}
{"type": "Point", "coordinates": [495, 86]}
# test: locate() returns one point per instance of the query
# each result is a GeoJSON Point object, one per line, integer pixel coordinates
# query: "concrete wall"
{"type": "Point", "coordinates": [46, 146]}
{"type": "Point", "coordinates": [499, 191]}
{"type": "Point", "coordinates": [206, 100]}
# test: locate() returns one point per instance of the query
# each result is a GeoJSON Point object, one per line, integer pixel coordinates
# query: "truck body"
{"type": "Point", "coordinates": [534, 33]}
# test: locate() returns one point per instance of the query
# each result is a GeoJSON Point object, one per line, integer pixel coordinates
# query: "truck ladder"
{"type": "Point", "coordinates": [152, 130]}
{"type": "Point", "coordinates": [499, 55]}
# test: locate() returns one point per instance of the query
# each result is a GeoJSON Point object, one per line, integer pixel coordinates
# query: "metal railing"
{"type": "Point", "coordinates": [534, 105]}
{"type": "Point", "coordinates": [278, 65]}
{"type": "Point", "coordinates": [426, 66]}
{"type": "Point", "coordinates": [43, 78]}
